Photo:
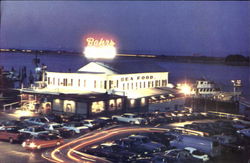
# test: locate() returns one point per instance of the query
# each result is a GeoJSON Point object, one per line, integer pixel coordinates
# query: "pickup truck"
{"type": "Point", "coordinates": [129, 118]}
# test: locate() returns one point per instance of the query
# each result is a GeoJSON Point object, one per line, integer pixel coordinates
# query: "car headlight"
{"type": "Point", "coordinates": [24, 144]}
{"type": "Point", "coordinates": [33, 145]}
{"type": "Point", "coordinates": [137, 122]}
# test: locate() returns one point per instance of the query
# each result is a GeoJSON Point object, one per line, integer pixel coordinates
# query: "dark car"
{"type": "Point", "coordinates": [104, 121]}
{"type": "Point", "coordinates": [157, 137]}
{"type": "Point", "coordinates": [146, 142]}
{"type": "Point", "coordinates": [70, 118]}
{"type": "Point", "coordinates": [140, 150]}
{"type": "Point", "coordinates": [112, 152]}
{"type": "Point", "coordinates": [54, 118]}
{"type": "Point", "coordinates": [19, 124]}
{"type": "Point", "coordinates": [179, 155]}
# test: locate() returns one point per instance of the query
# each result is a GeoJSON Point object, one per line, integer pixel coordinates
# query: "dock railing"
{"type": "Point", "coordinates": [10, 105]}
{"type": "Point", "coordinates": [224, 115]}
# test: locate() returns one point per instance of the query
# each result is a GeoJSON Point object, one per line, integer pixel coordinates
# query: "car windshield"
{"type": "Point", "coordinates": [78, 124]}
{"type": "Point", "coordinates": [38, 129]}
{"type": "Point", "coordinates": [199, 153]}
{"type": "Point", "coordinates": [145, 140]}
{"type": "Point", "coordinates": [57, 126]}
{"type": "Point", "coordinates": [43, 120]}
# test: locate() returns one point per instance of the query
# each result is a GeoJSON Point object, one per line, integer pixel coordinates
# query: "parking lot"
{"type": "Point", "coordinates": [200, 125]}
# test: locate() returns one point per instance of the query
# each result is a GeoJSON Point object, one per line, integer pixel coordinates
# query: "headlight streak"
{"type": "Point", "coordinates": [100, 136]}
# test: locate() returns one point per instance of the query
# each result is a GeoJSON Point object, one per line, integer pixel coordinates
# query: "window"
{"type": "Point", "coordinates": [59, 82]}
{"type": "Point", "coordinates": [156, 83]}
{"type": "Point", "coordinates": [105, 84]}
{"type": "Point", "coordinates": [84, 84]}
{"type": "Point", "coordinates": [48, 80]}
{"type": "Point", "coordinates": [94, 83]}
{"type": "Point", "coordinates": [54, 81]}
{"type": "Point", "coordinates": [79, 82]}
{"type": "Point", "coordinates": [71, 82]}
{"type": "Point", "coordinates": [117, 83]}
{"type": "Point", "coordinates": [97, 107]}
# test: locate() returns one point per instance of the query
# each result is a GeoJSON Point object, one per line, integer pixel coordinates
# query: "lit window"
{"type": "Point", "coordinates": [112, 105]}
{"type": "Point", "coordinates": [119, 103]}
{"type": "Point", "coordinates": [143, 102]}
{"type": "Point", "coordinates": [132, 103]}
{"type": "Point", "coordinates": [97, 107]}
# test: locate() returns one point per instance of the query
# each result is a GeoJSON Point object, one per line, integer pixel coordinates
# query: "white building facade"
{"type": "Point", "coordinates": [94, 77]}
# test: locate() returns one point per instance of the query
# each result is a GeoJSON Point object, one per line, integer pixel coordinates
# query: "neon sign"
{"type": "Point", "coordinates": [99, 48]}
{"type": "Point", "coordinates": [99, 43]}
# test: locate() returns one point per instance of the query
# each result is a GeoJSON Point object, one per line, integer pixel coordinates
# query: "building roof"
{"type": "Point", "coordinates": [122, 67]}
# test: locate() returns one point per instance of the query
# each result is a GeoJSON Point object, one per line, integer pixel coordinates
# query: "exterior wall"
{"type": "Point", "coordinates": [126, 82]}
{"type": "Point", "coordinates": [174, 104]}
{"type": "Point", "coordinates": [137, 105]}
{"type": "Point", "coordinates": [105, 83]}
{"type": "Point", "coordinates": [76, 81]}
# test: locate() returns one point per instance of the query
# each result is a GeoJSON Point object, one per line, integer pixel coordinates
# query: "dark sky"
{"type": "Point", "coordinates": [180, 28]}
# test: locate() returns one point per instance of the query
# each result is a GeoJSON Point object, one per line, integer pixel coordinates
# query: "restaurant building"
{"type": "Point", "coordinates": [102, 89]}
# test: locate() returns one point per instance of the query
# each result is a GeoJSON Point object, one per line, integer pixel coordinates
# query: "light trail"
{"type": "Point", "coordinates": [71, 148]}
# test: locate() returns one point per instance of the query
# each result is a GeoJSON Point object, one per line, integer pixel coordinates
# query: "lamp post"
{"type": "Point", "coordinates": [236, 85]}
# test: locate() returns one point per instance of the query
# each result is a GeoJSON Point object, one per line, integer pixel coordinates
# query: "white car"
{"type": "Point", "coordinates": [90, 123]}
{"type": "Point", "coordinates": [34, 130]}
{"type": "Point", "coordinates": [76, 127]}
{"type": "Point", "coordinates": [129, 118]}
{"type": "Point", "coordinates": [37, 120]}
{"type": "Point", "coordinates": [244, 132]}
{"type": "Point", "coordinates": [197, 154]}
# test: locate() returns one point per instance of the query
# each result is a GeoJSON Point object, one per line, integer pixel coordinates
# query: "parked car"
{"type": "Point", "coordinates": [157, 137]}
{"type": "Point", "coordinates": [12, 134]}
{"type": "Point", "coordinates": [33, 130]}
{"type": "Point", "coordinates": [112, 152]}
{"type": "Point", "coordinates": [16, 123]}
{"type": "Point", "coordinates": [58, 129]}
{"type": "Point", "coordinates": [146, 142]}
{"type": "Point", "coordinates": [179, 155]}
{"type": "Point", "coordinates": [92, 124]}
{"type": "Point", "coordinates": [54, 118]}
{"type": "Point", "coordinates": [72, 118]}
{"type": "Point", "coordinates": [197, 154]}
{"type": "Point", "coordinates": [204, 144]}
{"type": "Point", "coordinates": [129, 118]}
{"type": "Point", "coordinates": [104, 121]}
{"type": "Point", "coordinates": [76, 127]}
{"type": "Point", "coordinates": [229, 142]}
{"type": "Point", "coordinates": [244, 132]}
{"type": "Point", "coordinates": [42, 141]}
{"type": "Point", "coordinates": [128, 144]}
{"type": "Point", "coordinates": [37, 120]}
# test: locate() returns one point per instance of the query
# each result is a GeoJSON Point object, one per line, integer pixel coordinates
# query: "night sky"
{"type": "Point", "coordinates": [174, 28]}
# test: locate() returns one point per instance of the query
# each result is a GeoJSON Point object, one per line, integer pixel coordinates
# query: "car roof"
{"type": "Point", "coordinates": [190, 148]}
{"type": "Point", "coordinates": [88, 120]}
{"type": "Point", "coordinates": [138, 136]}
{"type": "Point", "coordinates": [128, 114]}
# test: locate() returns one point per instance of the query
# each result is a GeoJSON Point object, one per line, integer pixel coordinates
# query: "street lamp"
{"type": "Point", "coordinates": [236, 85]}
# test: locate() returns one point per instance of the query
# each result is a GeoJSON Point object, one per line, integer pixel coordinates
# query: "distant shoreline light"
{"type": "Point", "coordinates": [99, 48]}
